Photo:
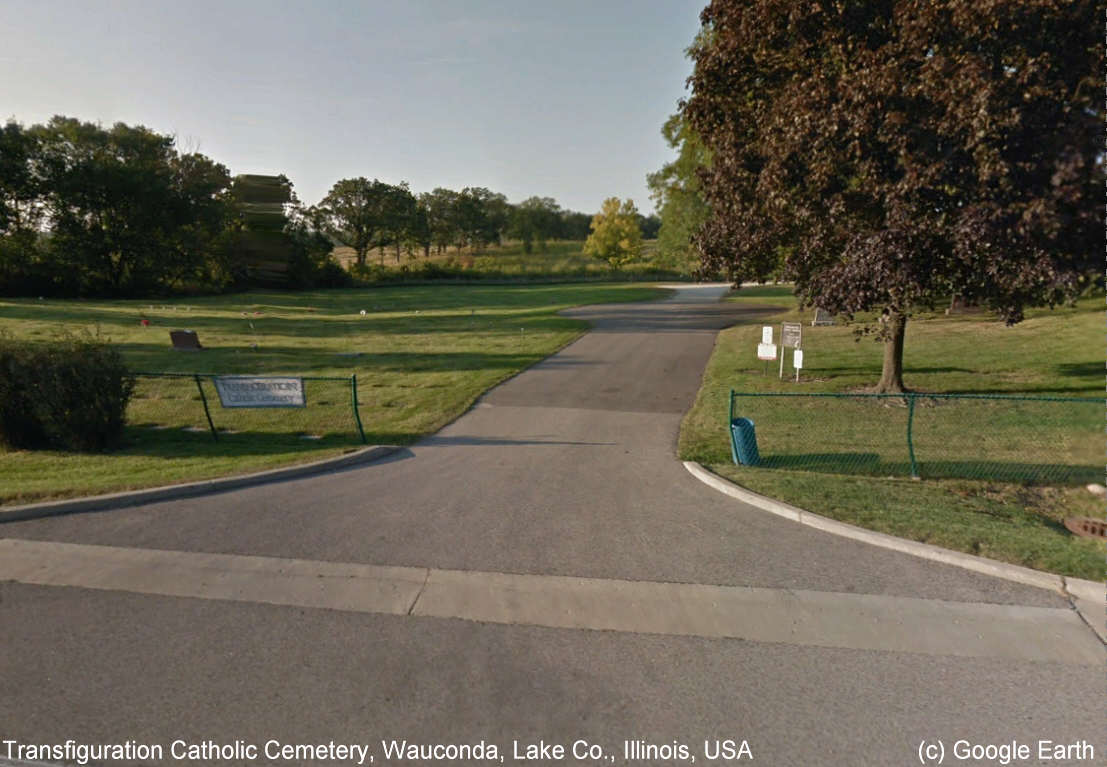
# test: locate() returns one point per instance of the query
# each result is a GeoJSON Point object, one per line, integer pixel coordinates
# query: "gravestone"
{"type": "Point", "coordinates": [185, 340]}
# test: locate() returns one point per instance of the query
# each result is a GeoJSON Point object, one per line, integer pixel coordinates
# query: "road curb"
{"type": "Point", "coordinates": [1076, 589]}
{"type": "Point", "coordinates": [192, 489]}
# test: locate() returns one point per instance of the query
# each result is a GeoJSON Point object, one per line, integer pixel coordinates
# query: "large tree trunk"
{"type": "Point", "coordinates": [891, 378]}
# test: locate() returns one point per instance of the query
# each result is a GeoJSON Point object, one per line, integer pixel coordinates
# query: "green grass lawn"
{"type": "Point", "coordinates": [422, 355]}
{"type": "Point", "coordinates": [998, 478]}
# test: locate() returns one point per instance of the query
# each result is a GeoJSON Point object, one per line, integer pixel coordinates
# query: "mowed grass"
{"type": "Point", "coordinates": [421, 354]}
{"type": "Point", "coordinates": [998, 478]}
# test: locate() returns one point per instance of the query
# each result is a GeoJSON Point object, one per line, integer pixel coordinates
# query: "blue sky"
{"type": "Point", "coordinates": [561, 98]}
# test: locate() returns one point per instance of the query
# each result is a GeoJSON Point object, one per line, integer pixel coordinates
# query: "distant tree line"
{"type": "Point", "coordinates": [122, 211]}
{"type": "Point", "coordinates": [86, 210]}
{"type": "Point", "coordinates": [364, 215]}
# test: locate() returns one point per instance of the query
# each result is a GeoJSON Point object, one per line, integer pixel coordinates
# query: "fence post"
{"type": "Point", "coordinates": [910, 442]}
{"type": "Point", "coordinates": [204, 399]}
{"type": "Point", "coordinates": [730, 429]}
{"type": "Point", "coordinates": [357, 415]}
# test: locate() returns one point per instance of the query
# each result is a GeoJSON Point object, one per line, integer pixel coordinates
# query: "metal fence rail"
{"type": "Point", "coordinates": [1036, 439]}
{"type": "Point", "coordinates": [188, 402]}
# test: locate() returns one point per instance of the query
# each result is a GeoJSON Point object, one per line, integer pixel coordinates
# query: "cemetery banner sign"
{"type": "Point", "coordinates": [260, 391]}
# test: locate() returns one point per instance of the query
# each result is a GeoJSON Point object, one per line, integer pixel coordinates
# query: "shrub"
{"type": "Point", "coordinates": [332, 275]}
{"type": "Point", "coordinates": [70, 394]}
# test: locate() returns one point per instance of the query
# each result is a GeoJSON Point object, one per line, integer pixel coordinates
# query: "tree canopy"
{"type": "Point", "coordinates": [535, 220]}
{"type": "Point", "coordinates": [357, 211]}
{"type": "Point", "coordinates": [675, 190]}
{"type": "Point", "coordinates": [899, 152]}
{"type": "Point", "coordinates": [89, 210]}
{"type": "Point", "coordinates": [125, 212]}
{"type": "Point", "coordinates": [616, 237]}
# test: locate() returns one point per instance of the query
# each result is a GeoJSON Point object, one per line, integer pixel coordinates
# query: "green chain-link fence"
{"type": "Point", "coordinates": [183, 402]}
{"type": "Point", "coordinates": [1049, 440]}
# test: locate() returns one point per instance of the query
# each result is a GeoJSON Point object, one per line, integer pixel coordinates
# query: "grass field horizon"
{"type": "Point", "coordinates": [1019, 522]}
{"type": "Point", "coordinates": [422, 355]}
{"type": "Point", "coordinates": [562, 259]}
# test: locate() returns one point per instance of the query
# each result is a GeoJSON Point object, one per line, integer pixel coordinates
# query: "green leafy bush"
{"type": "Point", "coordinates": [69, 394]}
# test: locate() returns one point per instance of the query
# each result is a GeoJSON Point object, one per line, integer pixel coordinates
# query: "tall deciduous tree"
{"type": "Point", "coordinates": [356, 211]}
{"type": "Point", "coordinates": [399, 216]}
{"type": "Point", "coordinates": [21, 211]}
{"type": "Point", "coordinates": [573, 225]}
{"type": "Point", "coordinates": [615, 235]}
{"type": "Point", "coordinates": [126, 213]}
{"type": "Point", "coordinates": [649, 225]}
{"type": "Point", "coordinates": [903, 150]}
{"type": "Point", "coordinates": [481, 215]}
{"type": "Point", "coordinates": [441, 208]}
{"type": "Point", "coordinates": [675, 190]}
{"type": "Point", "coordinates": [535, 221]}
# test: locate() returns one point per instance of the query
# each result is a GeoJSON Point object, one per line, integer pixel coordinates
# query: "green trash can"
{"type": "Point", "coordinates": [743, 442]}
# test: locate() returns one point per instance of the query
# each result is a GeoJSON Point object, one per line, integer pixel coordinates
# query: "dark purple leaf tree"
{"type": "Point", "coordinates": [889, 154]}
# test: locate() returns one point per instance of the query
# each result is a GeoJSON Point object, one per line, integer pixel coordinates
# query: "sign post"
{"type": "Point", "coordinates": [791, 335]}
{"type": "Point", "coordinates": [797, 362]}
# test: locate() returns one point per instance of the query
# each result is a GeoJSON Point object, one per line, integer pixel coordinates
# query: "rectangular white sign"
{"type": "Point", "coordinates": [766, 351]}
{"type": "Point", "coordinates": [797, 359]}
{"type": "Point", "coordinates": [255, 391]}
{"type": "Point", "coordinates": [766, 334]}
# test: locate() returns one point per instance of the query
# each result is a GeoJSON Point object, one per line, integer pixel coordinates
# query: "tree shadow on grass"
{"type": "Point", "coordinates": [1019, 389]}
{"type": "Point", "coordinates": [291, 360]}
{"type": "Point", "coordinates": [1081, 369]}
{"type": "Point", "coordinates": [871, 464]}
{"type": "Point", "coordinates": [176, 443]}
{"type": "Point", "coordinates": [465, 441]}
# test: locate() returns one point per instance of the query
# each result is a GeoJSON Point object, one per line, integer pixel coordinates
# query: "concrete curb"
{"type": "Point", "coordinates": [1090, 593]}
{"type": "Point", "coordinates": [192, 489]}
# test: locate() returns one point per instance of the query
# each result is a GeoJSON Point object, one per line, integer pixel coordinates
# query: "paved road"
{"type": "Point", "coordinates": [566, 470]}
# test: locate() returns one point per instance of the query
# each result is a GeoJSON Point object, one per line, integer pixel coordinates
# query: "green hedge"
{"type": "Point", "coordinates": [68, 394]}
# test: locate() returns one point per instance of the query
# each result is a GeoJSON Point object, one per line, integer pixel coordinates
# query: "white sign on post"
{"type": "Point", "coordinates": [767, 334]}
{"type": "Point", "coordinates": [797, 359]}
{"type": "Point", "coordinates": [766, 351]}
